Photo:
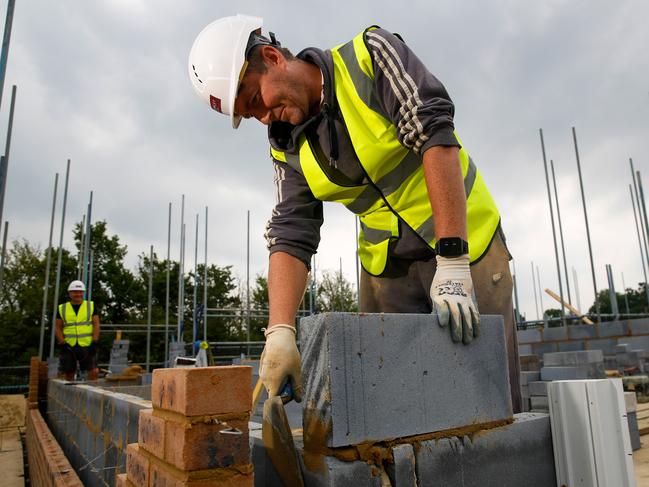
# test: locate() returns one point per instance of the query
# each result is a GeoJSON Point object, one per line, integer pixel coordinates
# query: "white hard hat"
{"type": "Point", "coordinates": [77, 286]}
{"type": "Point", "coordinates": [217, 58]}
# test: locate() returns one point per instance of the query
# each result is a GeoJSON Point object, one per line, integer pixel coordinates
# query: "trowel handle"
{"type": "Point", "coordinates": [286, 394]}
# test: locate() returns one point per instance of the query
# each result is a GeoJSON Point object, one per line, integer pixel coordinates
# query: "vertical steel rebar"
{"type": "Point", "coordinates": [182, 281]}
{"type": "Point", "coordinates": [180, 271]}
{"type": "Point", "coordinates": [3, 255]}
{"type": "Point", "coordinates": [4, 161]}
{"type": "Point", "coordinates": [538, 280]}
{"type": "Point", "coordinates": [81, 246]}
{"type": "Point", "coordinates": [640, 218]}
{"type": "Point", "coordinates": [554, 234]}
{"type": "Point", "coordinates": [637, 229]}
{"type": "Point", "coordinates": [86, 247]}
{"type": "Point", "coordinates": [611, 292]}
{"type": "Point", "coordinates": [166, 359]}
{"type": "Point", "coordinates": [148, 314]}
{"type": "Point", "coordinates": [590, 247]}
{"type": "Point", "coordinates": [515, 282]}
{"type": "Point", "coordinates": [536, 303]}
{"type": "Point", "coordinates": [46, 287]}
{"type": "Point", "coordinates": [91, 264]}
{"type": "Point", "coordinates": [60, 256]}
{"type": "Point", "coordinates": [644, 207]}
{"type": "Point", "coordinates": [205, 284]}
{"type": "Point", "coordinates": [6, 40]}
{"type": "Point", "coordinates": [248, 285]}
{"type": "Point", "coordinates": [563, 247]}
{"type": "Point", "coordinates": [195, 296]}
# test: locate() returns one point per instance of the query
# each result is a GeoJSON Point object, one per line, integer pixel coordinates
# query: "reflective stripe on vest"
{"type": "Point", "coordinates": [77, 327]}
{"type": "Point", "coordinates": [397, 188]}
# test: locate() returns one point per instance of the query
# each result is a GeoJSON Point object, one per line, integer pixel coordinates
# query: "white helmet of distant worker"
{"type": "Point", "coordinates": [217, 60]}
{"type": "Point", "coordinates": [77, 286]}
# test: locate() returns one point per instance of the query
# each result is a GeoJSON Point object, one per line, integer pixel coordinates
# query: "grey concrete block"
{"type": "Point", "coordinates": [539, 403]}
{"type": "Point", "coordinates": [334, 473]}
{"type": "Point", "coordinates": [526, 405]}
{"type": "Point", "coordinates": [525, 349]}
{"type": "Point", "coordinates": [606, 345]}
{"type": "Point", "coordinates": [577, 332]}
{"type": "Point", "coordinates": [265, 473]}
{"type": "Point", "coordinates": [563, 373]}
{"type": "Point", "coordinates": [525, 392]}
{"type": "Point", "coordinates": [402, 473]}
{"type": "Point", "coordinates": [613, 328]}
{"type": "Point", "coordinates": [527, 377]}
{"type": "Point", "coordinates": [639, 327]}
{"type": "Point", "coordinates": [542, 348]}
{"type": "Point", "coordinates": [556, 333]}
{"type": "Point", "coordinates": [371, 377]}
{"type": "Point", "coordinates": [634, 433]}
{"type": "Point", "coordinates": [622, 348]}
{"type": "Point", "coordinates": [514, 455]}
{"type": "Point", "coordinates": [538, 388]}
{"type": "Point", "coordinates": [573, 358]}
{"type": "Point", "coordinates": [630, 402]}
{"type": "Point", "coordinates": [636, 343]}
{"type": "Point", "coordinates": [529, 336]}
{"type": "Point", "coordinates": [530, 363]}
{"type": "Point", "coordinates": [571, 346]}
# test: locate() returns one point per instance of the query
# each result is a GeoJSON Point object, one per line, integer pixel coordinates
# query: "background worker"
{"type": "Point", "coordinates": [367, 125]}
{"type": "Point", "coordinates": [77, 333]}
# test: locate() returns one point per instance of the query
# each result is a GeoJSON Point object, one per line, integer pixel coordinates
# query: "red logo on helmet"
{"type": "Point", "coordinates": [215, 103]}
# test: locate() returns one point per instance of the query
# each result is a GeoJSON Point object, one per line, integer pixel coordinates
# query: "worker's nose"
{"type": "Point", "coordinates": [264, 117]}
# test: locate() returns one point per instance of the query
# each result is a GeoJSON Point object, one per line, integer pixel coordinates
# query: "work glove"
{"type": "Point", "coordinates": [452, 296]}
{"type": "Point", "coordinates": [280, 361]}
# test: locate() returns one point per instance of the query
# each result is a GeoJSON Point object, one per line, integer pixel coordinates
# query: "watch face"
{"type": "Point", "coordinates": [451, 247]}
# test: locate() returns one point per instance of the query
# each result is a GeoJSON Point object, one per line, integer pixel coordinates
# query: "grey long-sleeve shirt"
{"type": "Point", "coordinates": [410, 96]}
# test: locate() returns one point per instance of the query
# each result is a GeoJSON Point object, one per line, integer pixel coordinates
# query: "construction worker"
{"type": "Point", "coordinates": [367, 125]}
{"type": "Point", "coordinates": [77, 333]}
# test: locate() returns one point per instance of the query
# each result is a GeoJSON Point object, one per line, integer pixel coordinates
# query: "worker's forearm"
{"type": "Point", "coordinates": [286, 283]}
{"type": "Point", "coordinates": [58, 331]}
{"type": "Point", "coordinates": [445, 184]}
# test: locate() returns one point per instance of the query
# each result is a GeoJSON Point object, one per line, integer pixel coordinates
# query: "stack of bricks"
{"type": "Point", "coordinates": [196, 435]}
{"type": "Point", "coordinates": [34, 376]}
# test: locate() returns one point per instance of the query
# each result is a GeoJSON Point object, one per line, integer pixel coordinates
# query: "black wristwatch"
{"type": "Point", "coordinates": [451, 247]}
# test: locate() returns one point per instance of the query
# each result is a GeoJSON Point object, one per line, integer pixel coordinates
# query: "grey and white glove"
{"type": "Point", "coordinates": [452, 295]}
{"type": "Point", "coordinates": [280, 361]}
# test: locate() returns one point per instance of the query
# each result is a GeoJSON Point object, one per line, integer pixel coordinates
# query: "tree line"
{"type": "Point", "coordinates": [121, 295]}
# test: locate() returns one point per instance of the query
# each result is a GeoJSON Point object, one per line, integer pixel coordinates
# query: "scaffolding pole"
{"type": "Point", "coordinates": [46, 287]}
{"type": "Point", "coordinates": [180, 271]}
{"type": "Point", "coordinates": [637, 229]}
{"type": "Point", "coordinates": [195, 297]}
{"type": "Point", "coordinates": [3, 255]}
{"type": "Point", "coordinates": [59, 257]}
{"type": "Point", "coordinates": [563, 247]}
{"type": "Point", "coordinates": [167, 289]}
{"type": "Point", "coordinates": [86, 244]}
{"type": "Point", "coordinates": [205, 283]}
{"type": "Point", "coordinates": [148, 314]}
{"type": "Point", "coordinates": [4, 160]}
{"type": "Point", "coordinates": [574, 279]}
{"type": "Point", "coordinates": [82, 233]}
{"type": "Point", "coordinates": [515, 280]}
{"type": "Point", "coordinates": [536, 302]}
{"type": "Point", "coordinates": [6, 40]}
{"type": "Point", "coordinates": [248, 284]}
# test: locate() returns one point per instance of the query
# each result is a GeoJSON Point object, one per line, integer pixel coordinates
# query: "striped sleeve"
{"type": "Point", "coordinates": [414, 100]}
{"type": "Point", "coordinates": [294, 225]}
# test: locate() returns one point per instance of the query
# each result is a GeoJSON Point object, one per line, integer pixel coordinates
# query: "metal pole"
{"type": "Point", "coordinates": [6, 39]}
{"type": "Point", "coordinates": [47, 270]}
{"type": "Point", "coordinates": [590, 247]}
{"type": "Point", "coordinates": [358, 279]}
{"type": "Point", "coordinates": [4, 161]}
{"type": "Point", "coordinates": [637, 229]}
{"type": "Point", "coordinates": [3, 255]}
{"type": "Point", "coordinates": [81, 246]}
{"type": "Point", "coordinates": [536, 303]}
{"type": "Point", "coordinates": [195, 300]}
{"type": "Point", "coordinates": [90, 267]}
{"type": "Point", "coordinates": [148, 315]}
{"type": "Point", "coordinates": [58, 264]}
{"type": "Point", "coordinates": [554, 234]}
{"type": "Point", "coordinates": [205, 284]}
{"type": "Point", "coordinates": [182, 283]}
{"type": "Point", "coordinates": [563, 248]}
{"type": "Point", "coordinates": [538, 280]}
{"type": "Point", "coordinates": [515, 280]}
{"type": "Point", "coordinates": [611, 291]}
{"type": "Point", "coordinates": [626, 298]}
{"type": "Point", "coordinates": [642, 202]}
{"type": "Point", "coordinates": [167, 291]}
{"type": "Point", "coordinates": [574, 279]}
{"type": "Point", "coordinates": [248, 285]}
{"type": "Point", "coordinates": [637, 201]}
{"type": "Point", "coordinates": [86, 247]}
{"type": "Point", "coordinates": [180, 270]}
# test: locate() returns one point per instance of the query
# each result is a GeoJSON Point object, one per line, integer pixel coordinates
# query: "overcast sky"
{"type": "Point", "coordinates": [105, 83]}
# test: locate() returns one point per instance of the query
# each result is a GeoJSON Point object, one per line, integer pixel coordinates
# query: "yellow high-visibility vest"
{"type": "Point", "coordinates": [396, 189]}
{"type": "Point", "coordinates": [77, 327]}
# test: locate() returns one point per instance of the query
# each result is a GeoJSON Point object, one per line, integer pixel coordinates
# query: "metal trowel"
{"type": "Point", "coordinates": [278, 440]}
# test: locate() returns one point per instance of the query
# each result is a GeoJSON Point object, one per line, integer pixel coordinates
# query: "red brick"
{"type": "Point", "coordinates": [162, 476]}
{"type": "Point", "coordinates": [121, 480]}
{"type": "Point", "coordinates": [203, 390]}
{"type": "Point", "coordinates": [203, 445]}
{"type": "Point", "coordinates": [137, 466]}
{"type": "Point", "coordinates": [151, 433]}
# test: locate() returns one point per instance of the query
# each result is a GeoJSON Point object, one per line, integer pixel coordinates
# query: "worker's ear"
{"type": "Point", "coordinates": [272, 56]}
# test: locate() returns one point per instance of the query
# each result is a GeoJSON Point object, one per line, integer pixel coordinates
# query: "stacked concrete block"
{"type": "Point", "coordinates": [530, 363]}
{"type": "Point", "coordinates": [629, 359]}
{"type": "Point", "coordinates": [528, 376]}
{"type": "Point", "coordinates": [118, 357]}
{"type": "Point", "coordinates": [373, 377]}
{"type": "Point", "coordinates": [631, 404]}
{"type": "Point", "coordinates": [197, 432]}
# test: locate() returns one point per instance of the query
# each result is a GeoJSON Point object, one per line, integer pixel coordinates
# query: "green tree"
{"type": "Point", "coordinates": [335, 293]}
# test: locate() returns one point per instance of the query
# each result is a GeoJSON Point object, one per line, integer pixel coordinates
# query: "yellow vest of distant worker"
{"type": "Point", "coordinates": [396, 188]}
{"type": "Point", "coordinates": [77, 327]}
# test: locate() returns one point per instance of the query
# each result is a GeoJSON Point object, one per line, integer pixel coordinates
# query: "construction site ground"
{"type": "Point", "coordinates": [12, 421]}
